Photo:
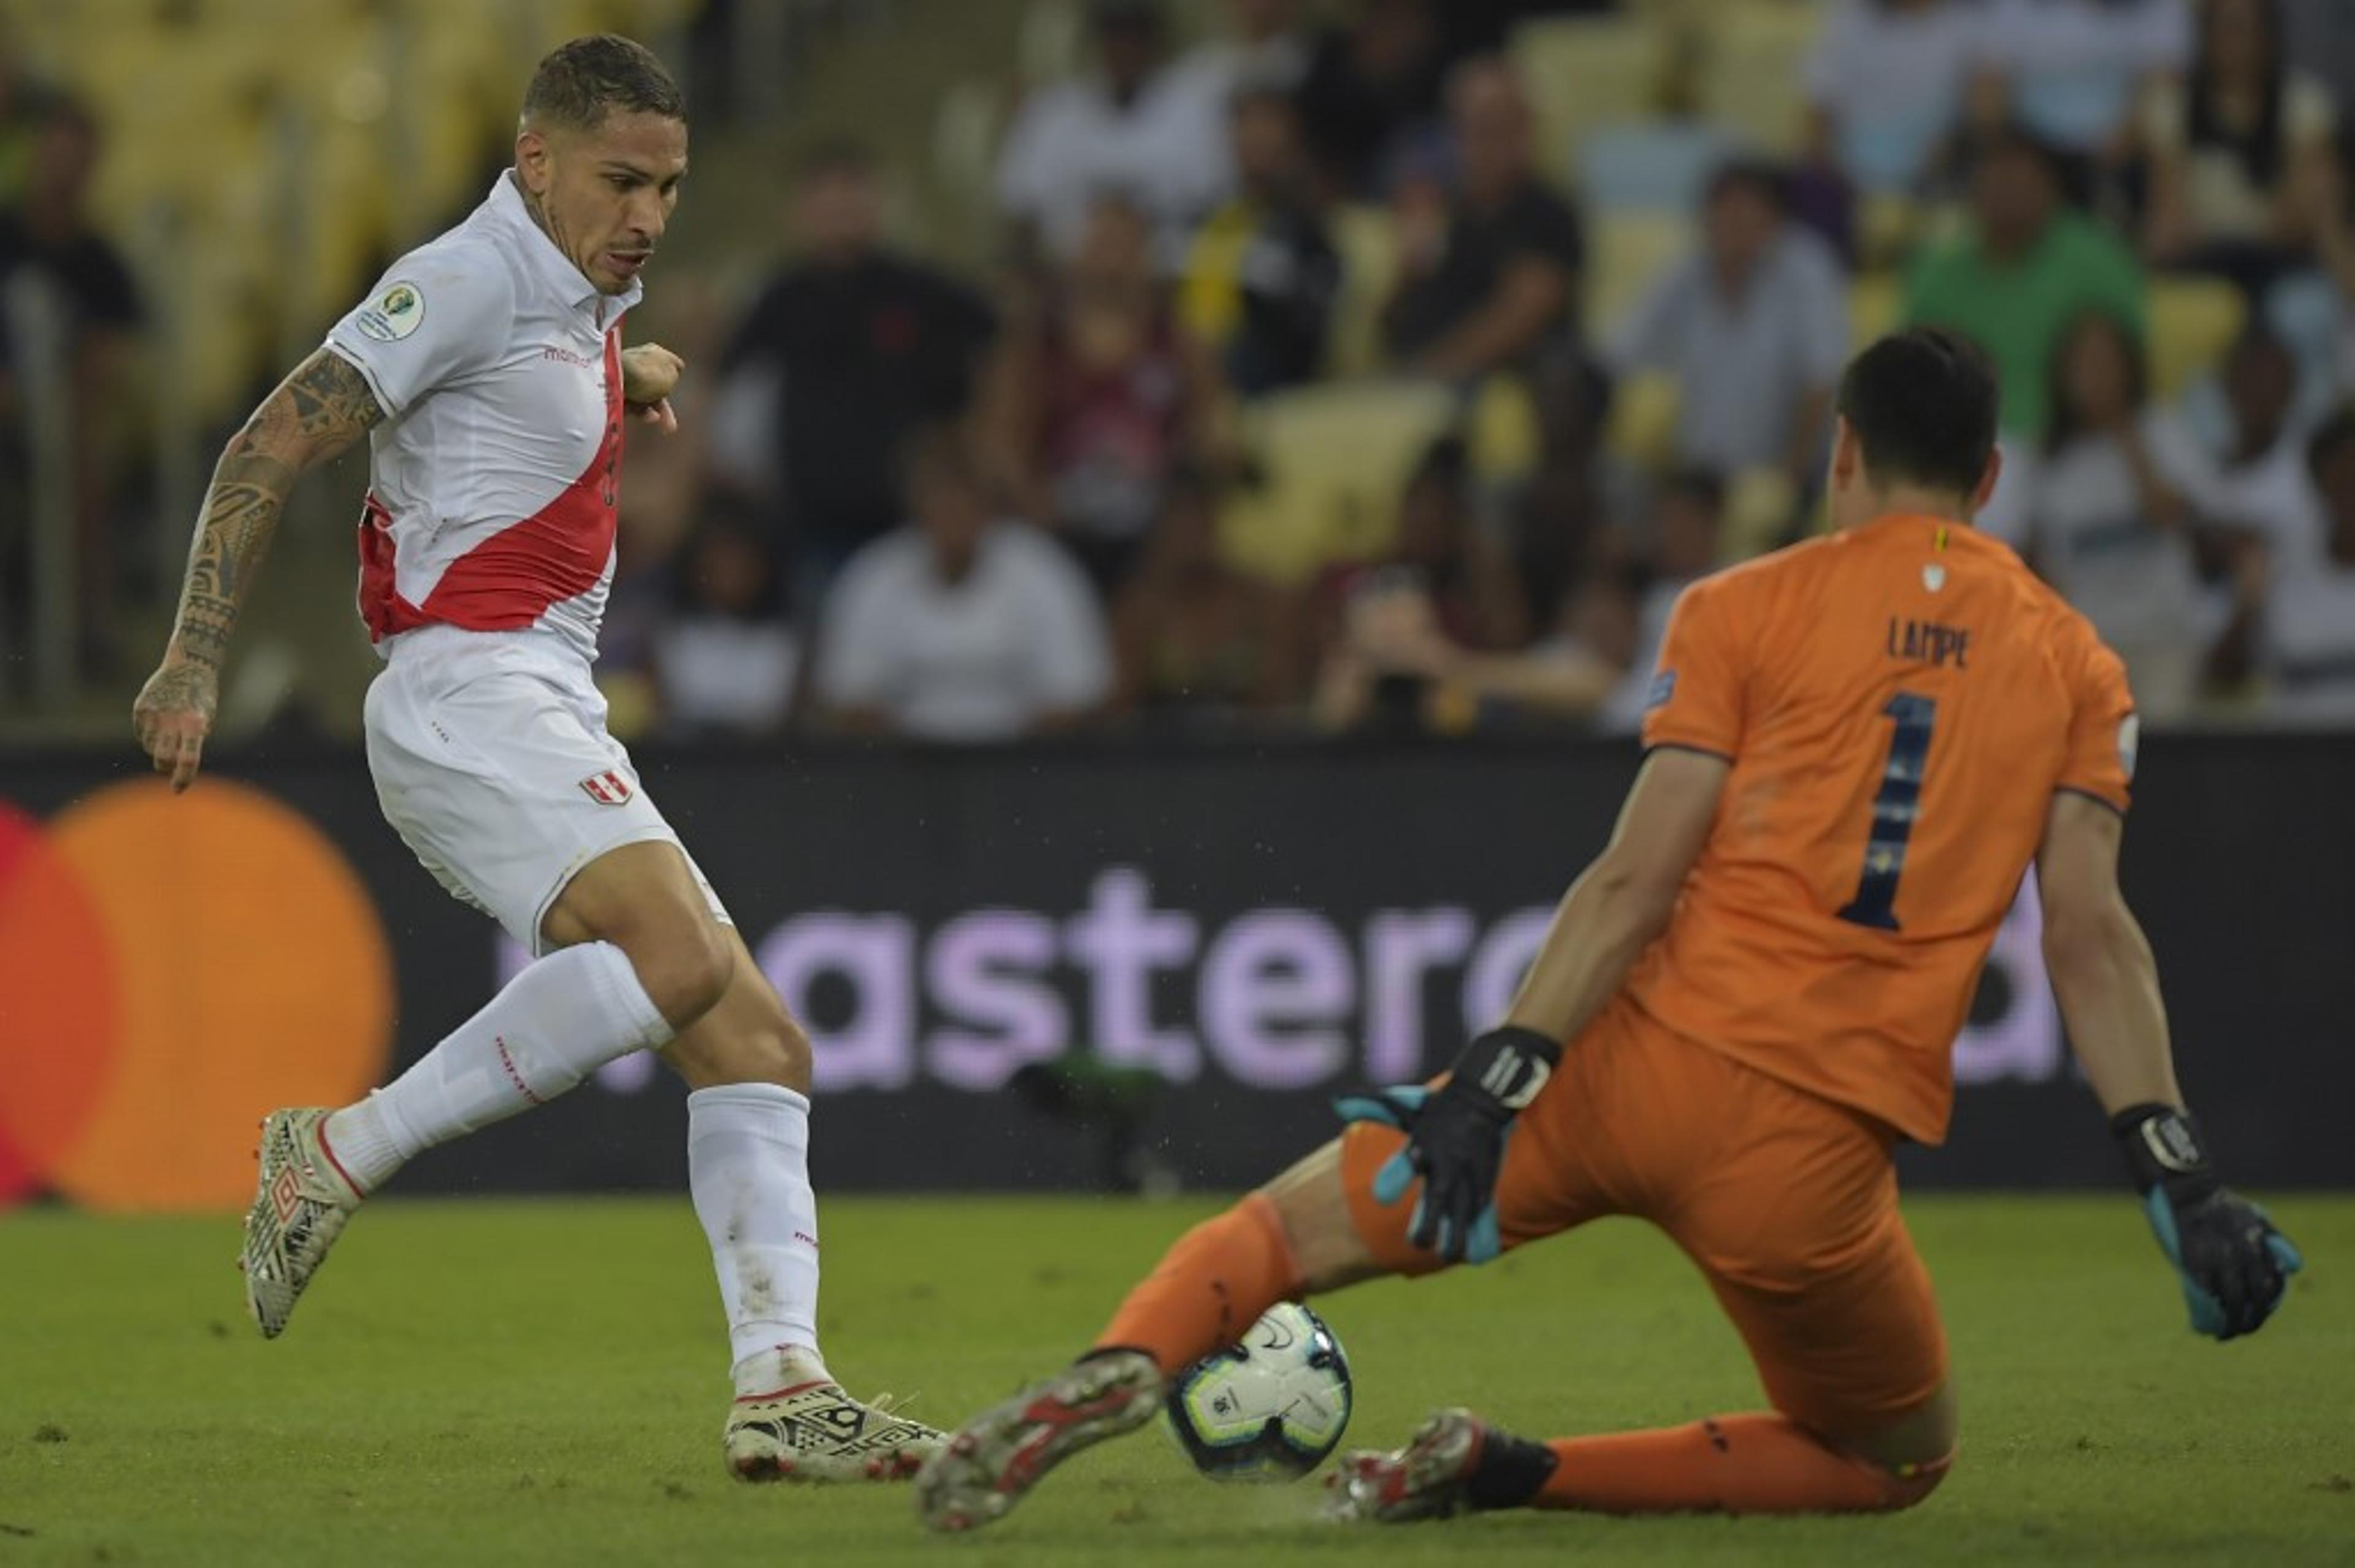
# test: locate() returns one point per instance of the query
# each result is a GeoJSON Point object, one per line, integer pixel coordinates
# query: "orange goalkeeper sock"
{"type": "Point", "coordinates": [1729, 1463]}
{"type": "Point", "coordinates": [1208, 1288]}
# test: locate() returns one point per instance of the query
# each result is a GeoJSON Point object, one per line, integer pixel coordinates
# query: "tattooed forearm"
{"type": "Point", "coordinates": [317, 413]}
{"type": "Point", "coordinates": [241, 510]}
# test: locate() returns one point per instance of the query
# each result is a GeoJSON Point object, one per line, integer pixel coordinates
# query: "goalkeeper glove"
{"type": "Point", "coordinates": [2234, 1266]}
{"type": "Point", "coordinates": [1455, 1139]}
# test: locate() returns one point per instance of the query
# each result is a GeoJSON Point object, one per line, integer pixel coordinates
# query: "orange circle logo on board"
{"type": "Point", "coordinates": [171, 969]}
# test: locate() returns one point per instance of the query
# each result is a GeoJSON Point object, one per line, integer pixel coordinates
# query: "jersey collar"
{"type": "Point", "coordinates": [555, 270]}
{"type": "Point", "coordinates": [1943, 532]}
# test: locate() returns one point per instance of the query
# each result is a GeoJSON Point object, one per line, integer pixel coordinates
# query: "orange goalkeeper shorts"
{"type": "Point", "coordinates": [1787, 1203]}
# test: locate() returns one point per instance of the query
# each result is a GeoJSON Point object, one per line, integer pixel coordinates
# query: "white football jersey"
{"type": "Point", "coordinates": [2310, 639]}
{"type": "Point", "coordinates": [493, 474]}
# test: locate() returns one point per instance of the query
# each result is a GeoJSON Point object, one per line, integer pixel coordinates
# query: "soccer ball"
{"type": "Point", "coordinates": [1270, 1408]}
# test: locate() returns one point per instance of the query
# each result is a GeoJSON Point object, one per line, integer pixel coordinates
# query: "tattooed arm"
{"type": "Point", "coordinates": [316, 413]}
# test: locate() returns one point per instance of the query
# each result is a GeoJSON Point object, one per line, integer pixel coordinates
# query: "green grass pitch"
{"type": "Point", "coordinates": [534, 1382]}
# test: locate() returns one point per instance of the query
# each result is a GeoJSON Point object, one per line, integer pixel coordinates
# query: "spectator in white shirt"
{"type": "Point", "coordinates": [960, 627]}
{"type": "Point", "coordinates": [1136, 130]}
{"type": "Point", "coordinates": [1265, 49]}
{"type": "Point", "coordinates": [2074, 71]}
{"type": "Point", "coordinates": [1754, 326]}
{"type": "Point", "coordinates": [2107, 524]}
{"type": "Point", "coordinates": [2233, 149]}
{"type": "Point", "coordinates": [1886, 87]}
{"type": "Point", "coordinates": [2250, 478]}
{"type": "Point", "coordinates": [2310, 615]}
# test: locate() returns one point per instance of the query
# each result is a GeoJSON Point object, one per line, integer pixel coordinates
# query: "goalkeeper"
{"type": "Point", "coordinates": [1857, 748]}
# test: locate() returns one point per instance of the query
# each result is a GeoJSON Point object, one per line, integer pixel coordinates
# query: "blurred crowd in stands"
{"type": "Point", "coordinates": [1294, 403]}
{"type": "Point", "coordinates": [68, 306]}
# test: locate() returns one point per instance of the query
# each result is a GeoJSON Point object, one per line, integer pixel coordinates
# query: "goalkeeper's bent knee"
{"type": "Point", "coordinates": [1906, 1485]}
{"type": "Point", "coordinates": [1209, 1288]}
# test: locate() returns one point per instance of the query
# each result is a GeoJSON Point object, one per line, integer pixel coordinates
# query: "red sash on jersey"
{"type": "Point", "coordinates": [507, 581]}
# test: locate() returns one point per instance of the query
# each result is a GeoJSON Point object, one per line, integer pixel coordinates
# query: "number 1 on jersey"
{"type": "Point", "coordinates": [1875, 903]}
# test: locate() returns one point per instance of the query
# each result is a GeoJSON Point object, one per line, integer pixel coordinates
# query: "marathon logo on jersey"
{"type": "Point", "coordinates": [1663, 688]}
{"type": "Point", "coordinates": [608, 788]}
{"type": "Point", "coordinates": [393, 314]}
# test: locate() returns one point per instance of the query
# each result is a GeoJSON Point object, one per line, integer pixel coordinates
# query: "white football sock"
{"type": "Point", "coordinates": [560, 1019]}
{"type": "Point", "coordinates": [748, 1168]}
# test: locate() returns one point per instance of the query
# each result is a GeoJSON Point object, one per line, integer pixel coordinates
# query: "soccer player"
{"type": "Point", "coordinates": [487, 371]}
{"type": "Point", "coordinates": [1857, 748]}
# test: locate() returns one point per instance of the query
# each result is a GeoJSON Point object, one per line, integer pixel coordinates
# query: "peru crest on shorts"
{"type": "Point", "coordinates": [608, 788]}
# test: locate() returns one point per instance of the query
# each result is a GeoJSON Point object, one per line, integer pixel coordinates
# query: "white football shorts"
{"type": "Point", "coordinates": [492, 762]}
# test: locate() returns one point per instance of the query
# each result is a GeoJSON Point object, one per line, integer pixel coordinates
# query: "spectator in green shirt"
{"type": "Point", "coordinates": [2027, 265]}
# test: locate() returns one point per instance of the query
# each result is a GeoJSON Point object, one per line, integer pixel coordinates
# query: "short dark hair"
{"type": "Point", "coordinates": [1446, 463]}
{"type": "Point", "coordinates": [62, 111]}
{"type": "Point", "coordinates": [581, 82]}
{"type": "Point", "coordinates": [2013, 138]}
{"type": "Point", "coordinates": [939, 452]}
{"type": "Point", "coordinates": [1126, 15]}
{"type": "Point", "coordinates": [2258, 341]}
{"type": "Point", "coordinates": [2331, 435]}
{"type": "Point", "coordinates": [837, 155]}
{"type": "Point", "coordinates": [1761, 177]}
{"type": "Point", "coordinates": [1263, 91]}
{"type": "Point", "coordinates": [2066, 427]}
{"type": "Point", "coordinates": [1704, 487]}
{"type": "Point", "coordinates": [1922, 404]}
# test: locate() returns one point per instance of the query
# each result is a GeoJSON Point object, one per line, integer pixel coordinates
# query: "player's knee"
{"type": "Point", "coordinates": [754, 1040]}
{"type": "Point", "coordinates": [1906, 1485]}
{"type": "Point", "coordinates": [685, 970]}
{"type": "Point", "coordinates": [1907, 1460]}
{"type": "Point", "coordinates": [784, 1053]}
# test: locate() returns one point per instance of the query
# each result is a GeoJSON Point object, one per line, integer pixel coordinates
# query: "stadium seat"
{"type": "Point", "coordinates": [570, 18]}
{"type": "Point", "coordinates": [1368, 244]}
{"type": "Point", "coordinates": [470, 75]}
{"type": "Point", "coordinates": [961, 161]}
{"type": "Point", "coordinates": [1630, 249]}
{"type": "Point", "coordinates": [1889, 226]}
{"type": "Point", "coordinates": [651, 18]}
{"type": "Point", "coordinates": [2192, 322]}
{"type": "Point", "coordinates": [1874, 308]}
{"type": "Point", "coordinates": [1758, 508]}
{"type": "Point", "coordinates": [1659, 165]}
{"type": "Point", "coordinates": [1501, 429]}
{"type": "Point", "coordinates": [347, 221]}
{"type": "Point", "coordinates": [1642, 432]}
{"type": "Point", "coordinates": [1335, 459]}
{"type": "Point", "coordinates": [965, 129]}
{"type": "Point", "coordinates": [1757, 55]}
{"type": "Point", "coordinates": [1584, 73]}
{"type": "Point", "coordinates": [1054, 42]}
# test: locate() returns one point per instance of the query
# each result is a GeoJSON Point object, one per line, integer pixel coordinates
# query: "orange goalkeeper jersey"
{"type": "Point", "coordinates": [1900, 702]}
